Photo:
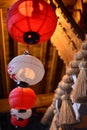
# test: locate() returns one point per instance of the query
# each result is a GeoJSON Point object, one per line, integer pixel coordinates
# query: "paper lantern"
{"type": "Point", "coordinates": [19, 122]}
{"type": "Point", "coordinates": [26, 68]}
{"type": "Point", "coordinates": [20, 117]}
{"type": "Point", "coordinates": [31, 21]}
{"type": "Point", "coordinates": [22, 98]}
{"type": "Point", "coordinates": [21, 114]}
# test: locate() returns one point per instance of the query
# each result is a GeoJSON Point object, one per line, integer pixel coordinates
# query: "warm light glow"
{"type": "Point", "coordinates": [25, 72]}
{"type": "Point", "coordinates": [23, 10]}
{"type": "Point", "coordinates": [58, 12]}
{"type": "Point", "coordinates": [40, 6]}
{"type": "Point", "coordinates": [26, 8]}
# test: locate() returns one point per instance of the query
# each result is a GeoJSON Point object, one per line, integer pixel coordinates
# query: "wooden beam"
{"type": "Point", "coordinates": [77, 12]}
{"type": "Point", "coordinates": [43, 100]}
{"type": "Point", "coordinates": [70, 20]}
{"type": "Point", "coordinates": [83, 123]}
{"type": "Point", "coordinates": [52, 72]}
{"type": "Point", "coordinates": [69, 2]}
{"type": "Point", "coordinates": [3, 58]}
{"type": "Point", "coordinates": [85, 1]}
{"type": "Point", "coordinates": [67, 37]}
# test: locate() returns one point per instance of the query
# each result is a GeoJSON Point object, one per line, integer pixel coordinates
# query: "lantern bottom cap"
{"type": "Point", "coordinates": [31, 37]}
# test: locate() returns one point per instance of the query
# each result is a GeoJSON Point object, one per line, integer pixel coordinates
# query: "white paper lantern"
{"type": "Point", "coordinates": [23, 115]}
{"type": "Point", "coordinates": [26, 68]}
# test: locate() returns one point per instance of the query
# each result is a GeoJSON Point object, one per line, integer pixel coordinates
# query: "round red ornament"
{"type": "Point", "coordinates": [22, 98]}
{"type": "Point", "coordinates": [20, 123]}
{"type": "Point", "coordinates": [31, 21]}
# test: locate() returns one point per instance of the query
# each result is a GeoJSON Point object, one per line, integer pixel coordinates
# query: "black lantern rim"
{"type": "Point", "coordinates": [23, 84]}
{"type": "Point", "coordinates": [31, 37]}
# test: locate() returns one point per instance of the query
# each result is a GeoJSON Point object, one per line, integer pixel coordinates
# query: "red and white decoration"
{"type": "Point", "coordinates": [26, 68]}
{"type": "Point", "coordinates": [21, 100]}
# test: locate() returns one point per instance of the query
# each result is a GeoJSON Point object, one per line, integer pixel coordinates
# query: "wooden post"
{"type": "Point", "coordinates": [3, 59]}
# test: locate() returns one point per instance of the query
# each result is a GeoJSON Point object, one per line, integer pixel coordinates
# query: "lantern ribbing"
{"type": "Point", "coordinates": [31, 21]}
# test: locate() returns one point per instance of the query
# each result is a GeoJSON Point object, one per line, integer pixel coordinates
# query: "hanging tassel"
{"type": "Point", "coordinates": [78, 56]}
{"type": "Point", "coordinates": [54, 124]}
{"type": "Point", "coordinates": [48, 115]}
{"type": "Point", "coordinates": [79, 94]}
{"type": "Point", "coordinates": [67, 115]}
{"type": "Point", "coordinates": [84, 45]}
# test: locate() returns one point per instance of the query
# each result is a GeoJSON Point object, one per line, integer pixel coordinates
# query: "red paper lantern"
{"type": "Point", "coordinates": [31, 21]}
{"type": "Point", "coordinates": [20, 123]}
{"type": "Point", "coordinates": [22, 98]}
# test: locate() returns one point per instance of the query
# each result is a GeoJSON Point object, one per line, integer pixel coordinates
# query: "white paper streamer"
{"type": "Point", "coordinates": [74, 78]}
{"type": "Point", "coordinates": [54, 123]}
{"type": "Point", "coordinates": [76, 107]}
{"type": "Point", "coordinates": [56, 105]}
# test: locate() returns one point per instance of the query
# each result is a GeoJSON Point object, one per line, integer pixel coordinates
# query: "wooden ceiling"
{"type": "Point", "coordinates": [55, 54]}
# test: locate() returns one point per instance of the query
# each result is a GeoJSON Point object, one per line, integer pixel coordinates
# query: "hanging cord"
{"type": "Point", "coordinates": [26, 51]}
